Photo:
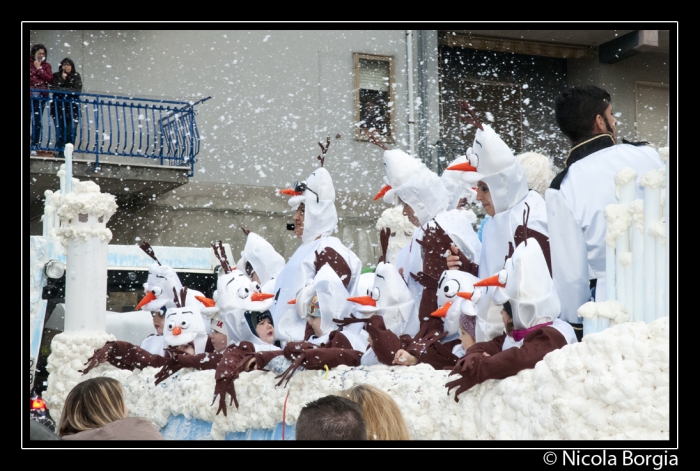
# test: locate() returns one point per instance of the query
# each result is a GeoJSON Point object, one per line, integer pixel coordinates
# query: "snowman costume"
{"type": "Point", "coordinates": [159, 285]}
{"type": "Point", "coordinates": [576, 204]}
{"type": "Point", "coordinates": [154, 343]}
{"type": "Point", "coordinates": [492, 162]}
{"type": "Point", "coordinates": [526, 284]}
{"type": "Point", "coordinates": [260, 257]}
{"type": "Point", "coordinates": [318, 248]}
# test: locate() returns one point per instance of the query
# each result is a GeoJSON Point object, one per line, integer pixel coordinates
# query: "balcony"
{"type": "Point", "coordinates": [132, 147]}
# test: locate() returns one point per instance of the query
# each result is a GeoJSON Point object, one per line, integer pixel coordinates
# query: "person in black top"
{"type": "Point", "coordinates": [65, 108]}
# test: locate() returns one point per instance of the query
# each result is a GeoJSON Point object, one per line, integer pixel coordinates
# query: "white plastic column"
{"type": "Point", "coordinates": [651, 215]}
{"type": "Point", "coordinates": [637, 235]}
{"type": "Point", "coordinates": [68, 152]}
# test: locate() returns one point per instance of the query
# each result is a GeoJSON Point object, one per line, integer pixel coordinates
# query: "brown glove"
{"type": "Point", "coordinates": [201, 361]}
{"type": "Point", "coordinates": [123, 355]}
{"type": "Point", "coordinates": [228, 369]}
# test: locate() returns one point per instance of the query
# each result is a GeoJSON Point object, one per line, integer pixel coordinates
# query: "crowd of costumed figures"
{"type": "Point", "coordinates": [478, 302]}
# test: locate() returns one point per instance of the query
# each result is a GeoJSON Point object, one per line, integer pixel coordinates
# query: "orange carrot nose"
{"type": "Point", "coordinates": [146, 299]}
{"type": "Point", "coordinates": [382, 192]}
{"type": "Point", "coordinates": [260, 296]}
{"type": "Point", "coordinates": [293, 301]}
{"type": "Point", "coordinates": [206, 301]}
{"type": "Point", "coordinates": [290, 192]}
{"type": "Point", "coordinates": [465, 295]}
{"type": "Point", "coordinates": [490, 281]}
{"type": "Point", "coordinates": [364, 300]}
{"type": "Point", "coordinates": [177, 330]}
{"type": "Point", "coordinates": [464, 167]}
{"type": "Point", "coordinates": [442, 312]}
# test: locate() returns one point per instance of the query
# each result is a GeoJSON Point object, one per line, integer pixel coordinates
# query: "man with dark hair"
{"type": "Point", "coordinates": [331, 418]}
{"type": "Point", "coordinates": [577, 197]}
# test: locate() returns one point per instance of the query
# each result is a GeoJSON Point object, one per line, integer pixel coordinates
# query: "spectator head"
{"type": "Point", "coordinates": [67, 62]}
{"type": "Point", "coordinates": [218, 335]}
{"type": "Point", "coordinates": [159, 320]}
{"type": "Point", "coordinates": [331, 418]}
{"type": "Point", "coordinates": [35, 48]}
{"type": "Point", "coordinates": [382, 415]}
{"type": "Point", "coordinates": [576, 110]}
{"type": "Point", "coordinates": [92, 404]}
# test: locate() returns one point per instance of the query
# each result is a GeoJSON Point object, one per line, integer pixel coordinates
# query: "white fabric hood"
{"type": "Point", "coordinates": [398, 168]}
{"type": "Point", "coordinates": [529, 287]}
{"type": "Point", "coordinates": [332, 298]}
{"type": "Point", "coordinates": [184, 325]}
{"type": "Point", "coordinates": [452, 282]}
{"type": "Point", "coordinates": [425, 193]}
{"type": "Point", "coordinates": [265, 260]}
{"type": "Point", "coordinates": [498, 168]}
{"type": "Point", "coordinates": [320, 218]}
{"type": "Point", "coordinates": [456, 187]}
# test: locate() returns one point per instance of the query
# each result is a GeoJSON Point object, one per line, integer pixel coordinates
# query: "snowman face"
{"type": "Point", "coordinates": [183, 325]}
{"type": "Point", "coordinates": [159, 288]}
{"type": "Point", "coordinates": [236, 291]}
{"type": "Point", "coordinates": [453, 282]}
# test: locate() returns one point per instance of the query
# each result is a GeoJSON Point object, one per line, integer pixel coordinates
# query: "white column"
{"type": "Point", "coordinates": [49, 214]}
{"type": "Point", "coordinates": [617, 217]}
{"type": "Point", "coordinates": [84, 214]}
{"type": "Point", "coordinates": [68, 153]}
{"type": "Point", "coordinates": [658, 230]}
{"type": "Point", "coordinates": [637, 234]}
{"type": "Point", "coordinates": [650, 183]}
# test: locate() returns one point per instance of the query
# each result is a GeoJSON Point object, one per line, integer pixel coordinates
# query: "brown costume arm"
{"type": "Point", "coordinates": [475, 368]}
{"type": "Point", "coordinates": [338, 264]}
{"type": "Point", "coordinates": [435, 243]}
{"type": "Point", "coordinates": [263, 358]}
{"type": "Point", "coordinates": [428, 302]}
{"type": "Point", "coordinates": [232, 363]}
{"type": "Point", "coordinates": [467, 265]}
{"type": "Point", "coordinates": [200, 361]}
{"type": "Point", "coordinates": [491, 347]}
{"type": "Point", "coordinates": [385, 343]}
{"type": "Point", "coordinates": [123, 355]}
{"type": "Point", "coordinates": [521, 232]}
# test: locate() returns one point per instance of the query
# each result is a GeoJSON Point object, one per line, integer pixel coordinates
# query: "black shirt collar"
{"type": "Point", "coordinates": [587, 147]}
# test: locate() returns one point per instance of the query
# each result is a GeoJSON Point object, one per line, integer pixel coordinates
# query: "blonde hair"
{"type": "Point", "coordinates": [92, 404]}
{"type": "Point", "coordinates": [382, 415]}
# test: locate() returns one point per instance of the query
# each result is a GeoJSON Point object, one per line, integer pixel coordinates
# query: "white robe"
{"type": "Point", "coordinates": [576, 214]}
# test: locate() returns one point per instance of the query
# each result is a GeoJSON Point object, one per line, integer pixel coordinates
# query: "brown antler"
{"type": "Point", "coordinates": [526, 218]}
{"type": "Point", "coordinates": [220, 254]}
{"type": "Point", "coordinates": [146, 247]}
{"type": "Point", "coordinates": [324, 150]}
{"type": "Point", "coordinates": [384, 235]}
{"type": "Point", "coordinates": [245, 231]}
{"type": "Point", "coordinates": [175, 299]}
{"type": "Point", "coordinates": [471, 119]}
{"type": "Point", "coordinates": [374, 139]}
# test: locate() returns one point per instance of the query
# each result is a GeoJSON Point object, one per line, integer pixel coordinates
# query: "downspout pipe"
{"type": "Point", "coordinates": [409, 67]}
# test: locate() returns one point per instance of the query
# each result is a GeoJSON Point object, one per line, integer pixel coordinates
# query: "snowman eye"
{"type": "Point", "coordinates": [375, 293]}
{"type": "Point", "coordinates": [243, 293]}
{"type": "Point", "coordinates": [257, 287]}
{"type": "Point", "coordinates": [473, 160]}
{"type": "Point", "coordinates": [451, 288]}
{"type": "Point", "coordinates": [171, 325]}
{"type": "Point", "coordinates": [157, 290]}
{"type": "Point", "coordinates": [184, 324]}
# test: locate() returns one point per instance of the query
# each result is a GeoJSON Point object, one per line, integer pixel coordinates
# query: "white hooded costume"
{"type": "Point", "coordinates": [333, 304]}
{"type": "Point", "coordinates": [264, 260]}
{"type": "Point", "coordinates": [184, 325]}
{"type": "Point", "coordinates": [320, 221]}
{"type": "Point", "coordinates": [497, 167]}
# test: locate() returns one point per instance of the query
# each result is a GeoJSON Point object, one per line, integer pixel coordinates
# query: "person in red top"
{"type": "Point", "coordinates": [40, 76]}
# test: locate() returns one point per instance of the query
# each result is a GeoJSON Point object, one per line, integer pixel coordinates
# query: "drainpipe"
{"type": "Point", "coordinates": [409, 67]}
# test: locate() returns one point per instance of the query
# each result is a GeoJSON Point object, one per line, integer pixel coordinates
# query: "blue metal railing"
{"type": "Point", "coordinates": [100, 124]}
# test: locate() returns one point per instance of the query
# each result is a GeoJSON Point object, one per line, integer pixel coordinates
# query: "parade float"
{"type": "Point", "coordinates": [615, 385]}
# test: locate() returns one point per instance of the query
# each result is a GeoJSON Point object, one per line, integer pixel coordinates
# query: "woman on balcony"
{"type": "Point", "coordinates": [65, 108]}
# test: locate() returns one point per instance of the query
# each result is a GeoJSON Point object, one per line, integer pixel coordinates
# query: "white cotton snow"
{"type": "Point", "coordinates": [618, 218]}
{"type": "Point", "coordinates": [624, 177]}
{"type": "Point", "coordinates": [612, 310]}
{"type": "Point", "coordinates": [658, 230]}
{"type": "Point", "coordinates": [636, 209]}
{"type": "Point", "coordinates": [663, 153]}
{"type": "Point", "coordinates": [84, 199]}
{"type": "Point", "coordinates": [612, 386]}
{"type": "Point", "coordinates": [654, 179]}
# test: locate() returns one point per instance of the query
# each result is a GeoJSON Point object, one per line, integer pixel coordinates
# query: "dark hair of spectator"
{"type": "Point", "coordinates": [36, 47]}
{"type": "Point", "coordinates": [576, 109]}
{"type": "Point", "coordinates": [331, 418]}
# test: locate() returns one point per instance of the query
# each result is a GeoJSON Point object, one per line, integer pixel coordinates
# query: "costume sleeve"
{"type": "Point", "coordinates": [491, 347]}
{"type": "Point", "coordinates": [474, 368]}
{"type": "Point", "coordinates": [328, 255]}
{"type": "Point", "coordinates": [200, 361]}
{"type": "Point", "coordinates": [569, 256]}
{"type": "Point", "coordinates": [123, 355]}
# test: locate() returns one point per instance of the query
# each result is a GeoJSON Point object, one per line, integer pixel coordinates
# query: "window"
{"type": "Point", "coordinates": [652, 113]}
{"type": "Point", "coordinates": [374, 97]}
